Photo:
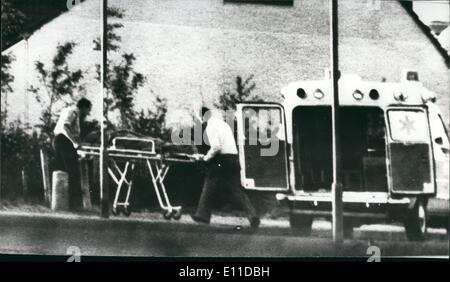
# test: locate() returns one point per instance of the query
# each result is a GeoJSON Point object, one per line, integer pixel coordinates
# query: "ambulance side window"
{"type": "Point", "coordinates": [408, 126]}
{"type": "Point", "coordinates": [411, 164]}
{"type": "Point", "coordinates": [441, 135]}
{"type": "Point", "coordinates": [261, 125]}
{"type": "Point", "coordinates": [262, 147]}
{"type": "Point", "coordinates": [376, 134]}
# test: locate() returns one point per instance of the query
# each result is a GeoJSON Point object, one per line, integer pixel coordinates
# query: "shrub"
{"type": "Point", "coordinates": [153, 122]}
{"type": "Point", "coordinates": [20, 151]}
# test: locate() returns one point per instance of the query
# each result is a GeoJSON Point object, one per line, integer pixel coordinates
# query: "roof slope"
{"type": "Point", "coordinates": [408, 5]}
{"type": "Point", "coordinates": [36, 13]}
{"type": "Point", "coordinates": [191, 48]}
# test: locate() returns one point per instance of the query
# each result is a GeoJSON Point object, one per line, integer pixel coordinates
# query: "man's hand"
{"type": "Point", "coordinates": [198, 158]}
{"type": "Point", "coordinates": [76, 145]}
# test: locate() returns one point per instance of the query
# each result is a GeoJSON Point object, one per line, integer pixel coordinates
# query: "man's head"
{"type": "Point", "coordinates": [85, 106]}
{"type": "Point", "coordinates": [205, 114]}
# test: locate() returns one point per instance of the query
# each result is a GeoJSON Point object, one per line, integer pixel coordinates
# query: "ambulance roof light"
{"type": "Point", "coordinates": [374, 95]}
{"type": "Point", "coordinates": [358, 95]}
{"type": "Point", "coordinates": [318, 94]}
{"type": "Point", "coordinates": [409, 75]}
{"type": "Point", "coordinates": [301, 93]}
{"type": "Point", "coordinates": [428, 95]}
{"type": "Point", "coordinates": [399, 96]}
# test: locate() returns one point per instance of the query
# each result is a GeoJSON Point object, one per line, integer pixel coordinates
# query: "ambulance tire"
{"type": "Point", "coordinates": [301, 225]}
{"type": "Point", "coordinates": [415, 221]}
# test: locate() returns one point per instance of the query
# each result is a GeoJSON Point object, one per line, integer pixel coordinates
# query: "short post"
{"type": "Point", "coordinates": [85, 191]}
{"type": "Point", "coordinates": [60, 191]}
{"type": "Point", "coordinates": [25, 185]}
{"type": "Point", "coordinates": [96, 178]}
{"type": "Point", "coordinates": [45, 178]}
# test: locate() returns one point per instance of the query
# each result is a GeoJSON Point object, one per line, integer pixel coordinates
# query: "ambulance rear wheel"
{"type": "Point", "coordinates": [415, 221]}
{"type": "Point", "coordinates": [301, 225]}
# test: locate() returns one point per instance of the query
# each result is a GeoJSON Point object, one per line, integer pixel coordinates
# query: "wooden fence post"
{"type": "Point", "coordinates": [25, 185]}
{"type": "Point", "coordinates": [86, 194]}
{"type": "Point", "coordinates": [96, 180]}
{"type": "Point", "coordinates": [46, 178]}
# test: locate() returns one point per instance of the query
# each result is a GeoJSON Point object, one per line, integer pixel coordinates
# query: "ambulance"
{"type": "Point", "coordinates": [394, 152]}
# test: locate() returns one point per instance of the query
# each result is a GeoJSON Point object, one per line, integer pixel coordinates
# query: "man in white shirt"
{"type": "Point", "coordinates": [66, 142]}
{"type": "Point", "coordinates": [223, 170]}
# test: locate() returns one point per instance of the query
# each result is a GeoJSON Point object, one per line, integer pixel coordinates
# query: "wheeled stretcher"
{"type": "Point", "coordinates": [158, 166]}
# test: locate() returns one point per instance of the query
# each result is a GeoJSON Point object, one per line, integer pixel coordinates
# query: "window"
{"type": "Point", "coordinates": [412, 75]}
{"type": "Point", "coordinates": [263, 154]}
{"type": "Point", "coordinates": [408, 126]}
{"type": "Point", "coordinates": [266, 2]}
{"type": "Point", "coordinates": [439, 132]}
{"type": "Point", "coordinates": [443, 129]}
{"type": "Point", "coordinates": [263, 124]}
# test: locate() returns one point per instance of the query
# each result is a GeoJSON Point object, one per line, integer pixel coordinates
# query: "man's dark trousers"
{"type": "Point", "coordinates": [223, 172]}
{"type": "Point", "coordinates": [66, 159]}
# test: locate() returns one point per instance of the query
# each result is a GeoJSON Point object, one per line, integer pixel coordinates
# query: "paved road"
{"type": "Point", "coordinates": [53, 234]}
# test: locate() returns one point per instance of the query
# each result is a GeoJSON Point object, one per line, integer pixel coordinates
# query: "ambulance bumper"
{"type": "Point", "coordinates": [355, 204]}
{"type": "Point", "coordinates": [367, 198]}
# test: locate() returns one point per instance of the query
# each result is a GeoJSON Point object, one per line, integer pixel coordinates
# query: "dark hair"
{"type": "Point", "coordinates": [84, 103]}
{"type": "Point", "coordinates": [204, 111]}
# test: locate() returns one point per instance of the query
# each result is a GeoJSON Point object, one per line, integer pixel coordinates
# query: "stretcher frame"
{"type": "Point", "coordinates": [157, 165]}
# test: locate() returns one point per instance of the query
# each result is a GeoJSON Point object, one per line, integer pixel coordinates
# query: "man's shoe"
{"type": "Point", "coordinates": [199, 219]}
{"type": "Point", "coordinates": [254, 222]}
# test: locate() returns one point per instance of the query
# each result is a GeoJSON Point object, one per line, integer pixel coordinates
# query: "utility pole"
{"type": "Point", "coordinates": [104, 183]}
{"type": "Point", "coordinates": [336, 189]}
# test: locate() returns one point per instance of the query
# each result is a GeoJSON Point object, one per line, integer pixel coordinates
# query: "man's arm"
{"type": "Point", "coordinates": [211, 153]}
{"type": "Point", "coordinates": [69, 119]}
{"type": "Point", "coordinates": [214, 143]}
{"type": "Point", "coordinates": [72, 137]}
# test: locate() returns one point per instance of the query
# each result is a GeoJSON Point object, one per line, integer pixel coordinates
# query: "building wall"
{"type": "Point", "coordinates": [190, 49]}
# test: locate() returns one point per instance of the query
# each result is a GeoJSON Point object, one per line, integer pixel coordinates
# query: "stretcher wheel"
{"type": "Point", "coordinates": [176, 214]}
{"type": "Point", "coordinates": [126, 211]}
{"type": "Point", "coordinates": [167, 215]}
{"type": "Point", "coordinates": [115, 211]}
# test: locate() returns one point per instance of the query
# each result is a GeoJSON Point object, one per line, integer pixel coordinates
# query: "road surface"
{"type": "Point", "coordinates": [152, 236]}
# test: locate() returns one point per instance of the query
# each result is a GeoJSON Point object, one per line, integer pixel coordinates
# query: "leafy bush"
{"type": "Point", "coordinates": [20, 151]}
{"type": "Point", "coordinates": [6, 77]}
{"type": "Point", "coordinates": [121, 78]}
{"type": "Point", "coordinates": [152, 122]}
{"type": "Point", "coordinates": [13, 22]}
{"type": "Point", "coordinates": [57, 83]}
{"type": "Point", "coordinates": [240, 92]}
